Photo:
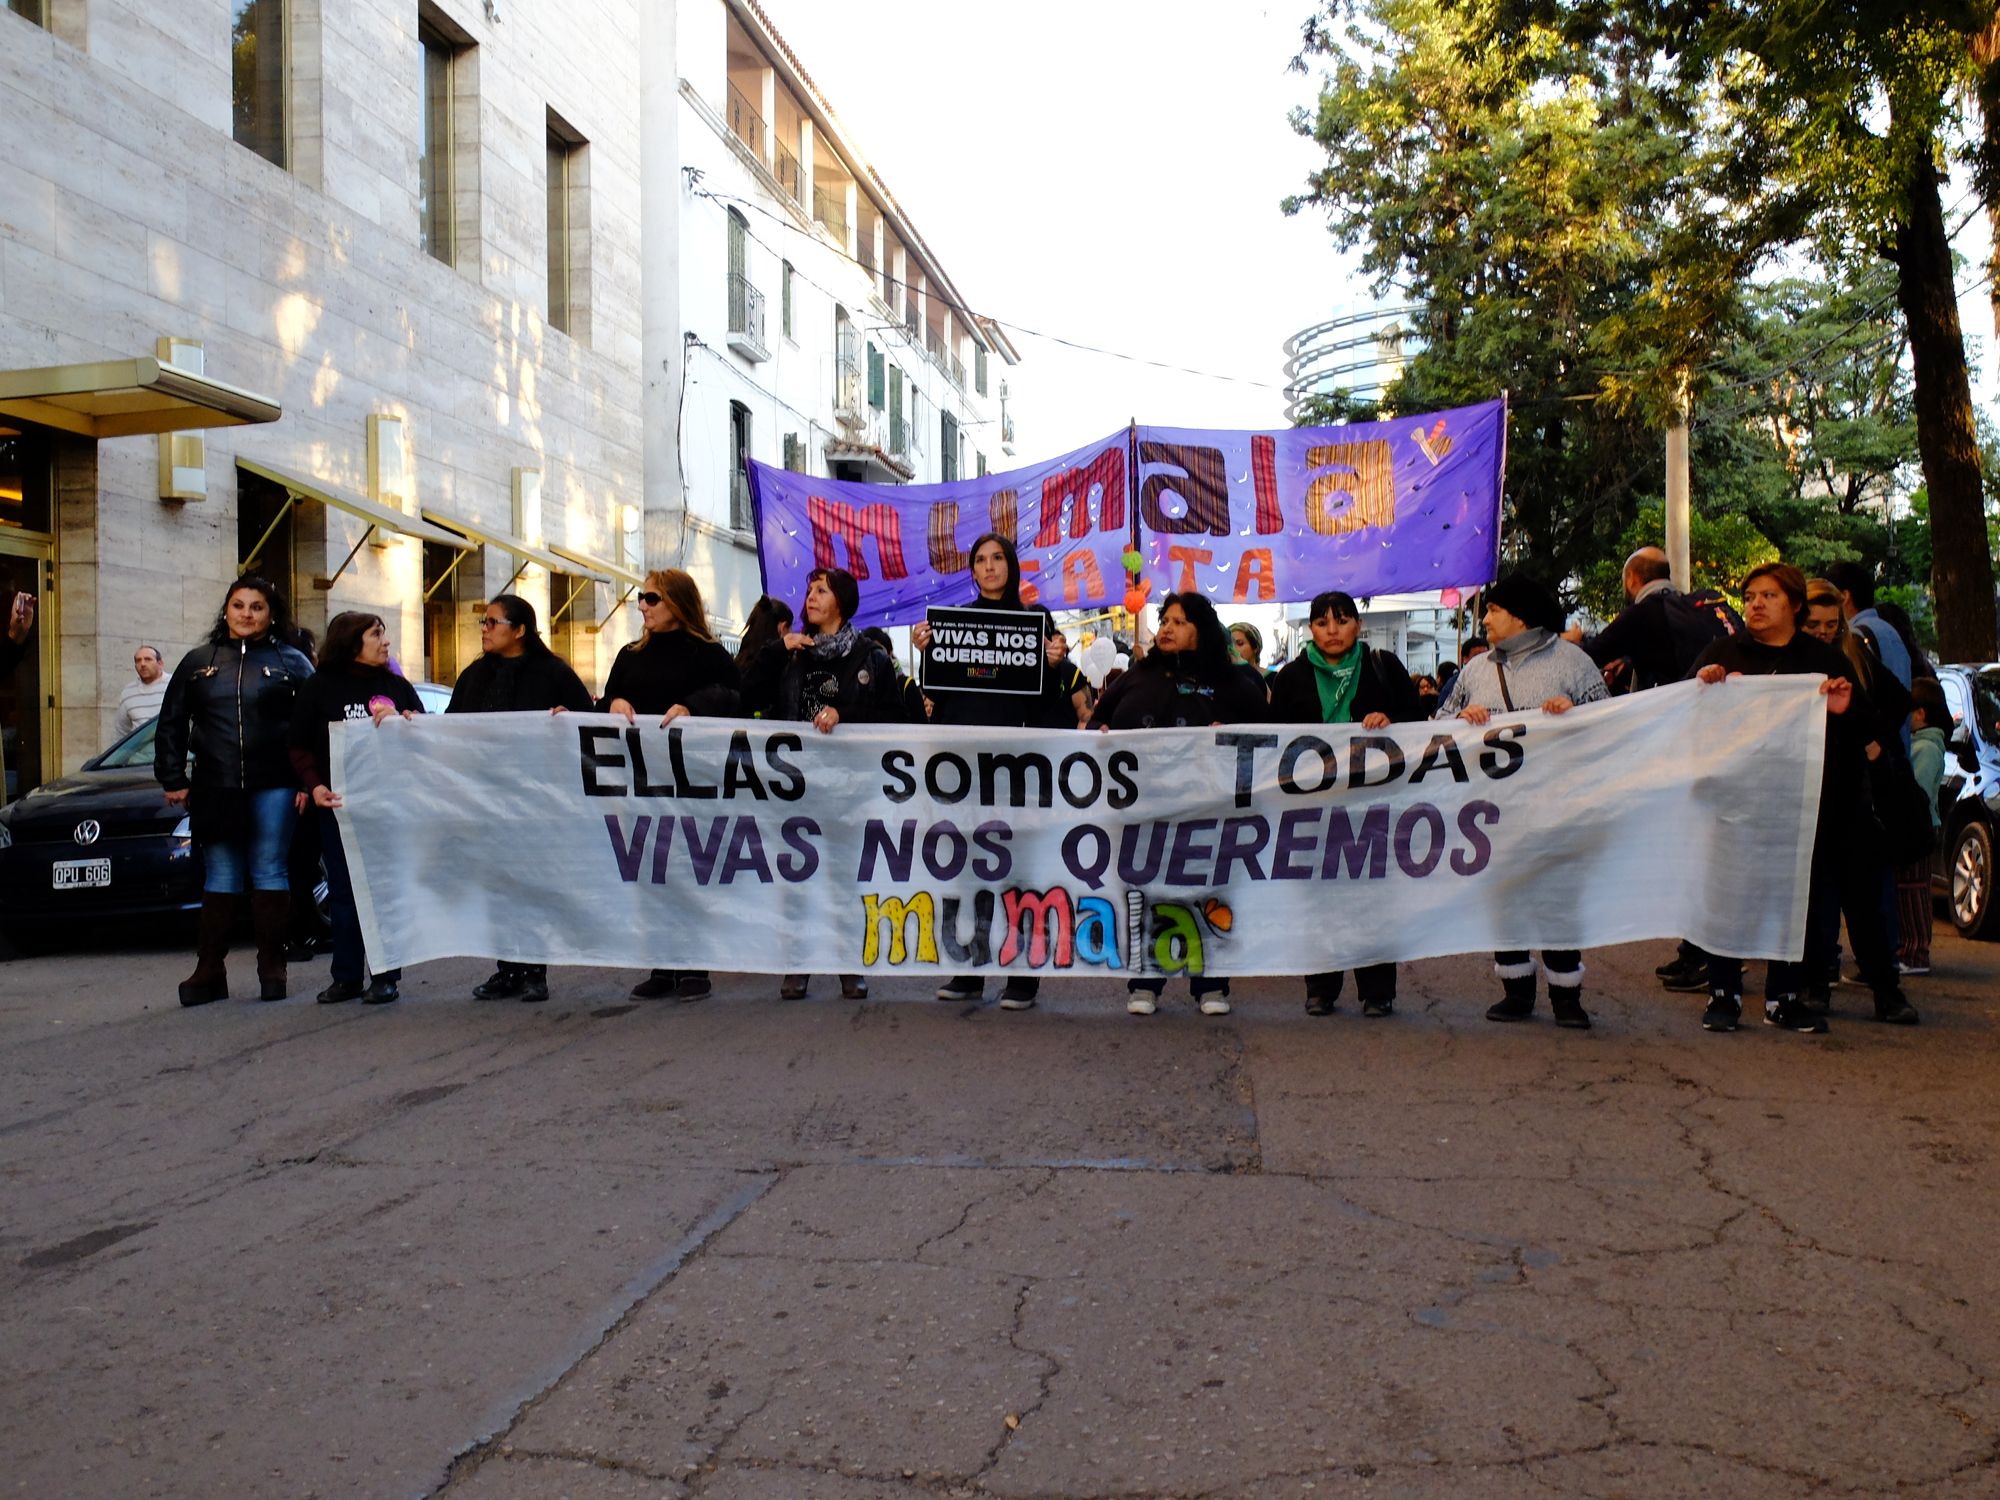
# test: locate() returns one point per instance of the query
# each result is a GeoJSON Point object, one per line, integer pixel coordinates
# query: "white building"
{"type": "Point", "coordinates": [820, 333]}
{"type": "Point", "coordinates": [412, 227]}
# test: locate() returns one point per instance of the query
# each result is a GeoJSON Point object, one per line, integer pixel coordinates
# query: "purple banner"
{"type": "Point", "coordinates": [1404, 506]}
{"type": "Point", "coordinates": [909, 545]}
{"type": "Point", "coordinates": [1410, 505]}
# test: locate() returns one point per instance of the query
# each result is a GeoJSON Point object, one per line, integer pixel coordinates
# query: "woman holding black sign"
{"type": "Point", "coordinates": [1190, 679]}
{"type": "Point", "coordinates": [996, 575]}
{"type": "Point", "coordinates": [827, 675]}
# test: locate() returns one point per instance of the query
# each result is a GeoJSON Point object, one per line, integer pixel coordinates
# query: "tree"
{"type": "Point", "coordinates": [1517, 195]}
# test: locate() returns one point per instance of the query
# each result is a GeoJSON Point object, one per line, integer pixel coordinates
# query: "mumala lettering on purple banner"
{"type": "Point", "coordinates": [1245, 517]}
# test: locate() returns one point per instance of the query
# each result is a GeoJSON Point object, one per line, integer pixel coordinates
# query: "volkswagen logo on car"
{"type": "Point", "coordinates": [87, 831]}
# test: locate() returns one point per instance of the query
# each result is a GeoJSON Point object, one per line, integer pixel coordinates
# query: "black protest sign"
{"type": "Point", "coordinates": [984, 651]}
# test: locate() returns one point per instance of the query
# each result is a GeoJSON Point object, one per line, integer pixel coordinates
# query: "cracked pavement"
{"type": "Point", "coordinates": [743, 1250]}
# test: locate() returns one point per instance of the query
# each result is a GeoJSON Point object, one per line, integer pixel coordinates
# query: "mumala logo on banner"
{"type": "Point", "coordinates": [985, 651]}
{"type": "Point", "coordinates": [1238, 850]}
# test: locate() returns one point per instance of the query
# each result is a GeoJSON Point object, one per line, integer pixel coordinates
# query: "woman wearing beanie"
{"type": "Point", "coordinates": [1528, 666]}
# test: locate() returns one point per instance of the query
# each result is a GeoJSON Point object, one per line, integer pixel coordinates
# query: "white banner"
{"type": "Point", "coordinates": [746, 845]}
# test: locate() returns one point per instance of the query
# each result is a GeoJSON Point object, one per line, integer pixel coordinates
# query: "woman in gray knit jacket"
{"type": "Point", "coordinates": [1530, 665]}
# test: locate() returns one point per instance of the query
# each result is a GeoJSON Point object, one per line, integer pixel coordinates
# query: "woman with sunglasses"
{"type": "Point", "coordinates": [675, 669]}
{"type": "Point", "coordinates": [516, 673]}
{"type": "Point", "coordinates": [996, 579]}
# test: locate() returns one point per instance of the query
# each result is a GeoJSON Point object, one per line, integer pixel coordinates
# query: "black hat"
{"type": "Point", "coordinates": [1526, 600]}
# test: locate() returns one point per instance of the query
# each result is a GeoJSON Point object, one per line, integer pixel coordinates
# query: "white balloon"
{"type": "Point", "coordinates": [1096, 659]}
{"type": "Point", "coordinates": [1121, 661]}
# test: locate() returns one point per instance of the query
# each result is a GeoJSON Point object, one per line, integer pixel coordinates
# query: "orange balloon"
{"type": "Point", "coordinates": [1135, 600]}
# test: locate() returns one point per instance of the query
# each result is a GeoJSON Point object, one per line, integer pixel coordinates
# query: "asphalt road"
{"type": "Point", "coordinates": [761, 1251]}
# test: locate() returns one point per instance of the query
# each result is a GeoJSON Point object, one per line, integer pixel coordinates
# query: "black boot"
{"type": "Point", "coordinates": [1519, 1001]}
{"type": "Point", "coordinates": [1566, 1000]}
{"type": "Point", "coordinates": [269, 911]}
{"type": "Point", "coordinates": [210, 981]}
{"type": "Point", "coordinates": [1892, 1009]}
{"type": "Point", "coordinates": [503, 984]}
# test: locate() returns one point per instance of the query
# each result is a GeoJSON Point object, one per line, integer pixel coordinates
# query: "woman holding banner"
{"type": "Point", "coordinates": [996, 576]}
{"type": "Point", "coordinates": [826, 675]}
{"type": "Point", "coordinates": [1528, 666]}
{"type": "Point", "coordinates": [1189, 679]}
{"type": "Point", "coordinates": [1337, 680]}
{"type": "Point", "coordinates": [676, 669]}
{"type": "Point", "coordinates": [354, 681]}
{"type": "Point", "coordinates": [516, 673]}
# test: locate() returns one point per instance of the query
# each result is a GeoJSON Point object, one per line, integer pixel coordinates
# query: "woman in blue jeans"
{"type": "Point", "coordinates": [229, 706]}
{"type": "Point", "coordinates": [354, 683]}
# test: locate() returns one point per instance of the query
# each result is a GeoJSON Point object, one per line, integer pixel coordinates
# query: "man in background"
{"type": "Point", "coordinates": [140, 702]}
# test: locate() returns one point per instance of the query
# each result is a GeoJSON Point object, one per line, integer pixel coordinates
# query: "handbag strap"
{"type": "Point", "coordinates": [1505, 697]}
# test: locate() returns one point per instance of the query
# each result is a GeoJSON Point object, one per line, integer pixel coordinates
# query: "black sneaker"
{"type": "Point", "coordinates": [1724, 1013]}
{"type": "Point", "coordinates": [1787, 1013]}
{"type": "Point", "coordinates": [1893, 1010]}
{"type": "Point", "coordinates": [1019, 994]}
{"type": "Point", "coordinates": [965, 987]}
{"type": "Point", "coordinates": [534, 988]}
{"type": "Point", "coordinates": [1378, 1008]}
{"type": "Point", "coordinates": [693, 985]}
{"type": "Point", "coordinates": [1818, 999]}
{"type": "Point", "coordinates": [382, 992]}
{"type": "Point", "coordinates": [659, 985]}
{"type": "Point", "coordinates": [504, 984]}
{"type": "Point", "coordinates": [340, 992]}
{"type": "Point", "coordinates": [1672, 966]}
{"type": "Point", "coordinates": [1689, 979]}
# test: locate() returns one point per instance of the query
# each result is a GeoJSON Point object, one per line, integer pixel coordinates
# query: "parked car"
{"type": "Point", "coordinates": [1969, 799]}
{"type": "Point", "coordinates": [103, 845]}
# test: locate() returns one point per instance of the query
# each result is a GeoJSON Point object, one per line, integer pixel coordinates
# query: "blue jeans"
{"type": "Point", "coordinates": [258, 861]}
{"type": "Point", "coordinates": [350, 958]}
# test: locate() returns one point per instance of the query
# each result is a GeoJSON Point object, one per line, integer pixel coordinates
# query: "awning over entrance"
{"type": "Point", "coordinates": [125, 397]}
{"type": "Point", "coordinates": [617, 572]}
{"type": "Point", "coordinates": [524, 552]}
{"type": "Point", "coordinates": [379, 517]}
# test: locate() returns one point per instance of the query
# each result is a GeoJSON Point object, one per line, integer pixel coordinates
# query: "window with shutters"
{"type": "Point", "coordinates": [981, 458]}
{"type": "Point", "coordinates": [878, 381]}
{"type": "Point", "coordinates": [739, 471]}
{"type": "Point", "coordinates": [899, 436]}
{"type": "Point", "coordinates": [785, 291]}
{"type": "Point", "coordinates": [947, 447]}
{"type": "Point", "coordinates": [795, 453]}
{"type": "Point", "coordinates": [979, 368]}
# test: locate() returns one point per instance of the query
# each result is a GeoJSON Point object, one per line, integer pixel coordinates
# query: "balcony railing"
{"type": "Point", "coordinates": [830, 209]}
{"type": "Point", "coordinates": [746, 318]}
{"type": "Point", "coordinates": [934, 341]}
{"type": "Point", "coordinates": [746, 120]}
{"type": "Point", "coordinates": [866, 246]}
{"type": "Point", "coordinates": [741, 515]}
{"type": "Point", "coordinates": [958, 372]}
{"type": "Point", "coordinates": [788, 170]}
{"type": "Point", "coordinates": [910, 324]}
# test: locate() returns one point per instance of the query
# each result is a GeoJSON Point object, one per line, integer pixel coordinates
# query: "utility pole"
{"type": "Point", "coordinates": [1677, 492]}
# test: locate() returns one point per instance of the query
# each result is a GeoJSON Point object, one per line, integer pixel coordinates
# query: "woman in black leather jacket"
{"type": "Point", "coordinates": [230, 704]}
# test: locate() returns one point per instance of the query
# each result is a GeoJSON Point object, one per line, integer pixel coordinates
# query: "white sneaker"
{"type": "Point", "coordinates": [1215, 1005]}
{"type": "Point", "coordinates": [1141, 1005]}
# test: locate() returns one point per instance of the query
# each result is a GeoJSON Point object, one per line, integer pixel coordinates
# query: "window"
{"type": "Point", "coordinates": [785, 293]}
{"type": "Point", "coordinates": [256, 75]}
{"type": "Point", "coordinates": [947, 447]}
{"type": "Point", "coordinates": [916, 418]}
{"type": "Point", "coordinates": [878, 378]}
{"type": "Point", "coordinates": [899, 435]}
{"type": "Point", "coordinates": [739, 472]}
{"type": "Point", "coordinates": [795, 453]}
{"type": "Point", "coordinates": [436, 145]}
{"type": "Point", "coordinates": [979, 368]}
{"type": "Point", "coordinates": [30, 10]}
{"type": "Point", "coordinates": [567, 224]}
{"type": "Point", "coordinates": [980, 458]}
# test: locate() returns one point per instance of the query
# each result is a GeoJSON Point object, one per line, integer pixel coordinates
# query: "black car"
{"type": "Point", "coordinates": [103, 845]}
{"type": "Point", "coordinates": [1969, 799]}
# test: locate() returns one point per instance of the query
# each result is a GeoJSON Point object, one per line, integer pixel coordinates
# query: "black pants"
{"type": "Point", "coordinates": [350, 961]}
{"type": "Point", "coordinates": [1844, 879]}
{"type": "Point", "coordinates": [1372, 982]}
{"type": "Point", "coordinates": [1198, 985]}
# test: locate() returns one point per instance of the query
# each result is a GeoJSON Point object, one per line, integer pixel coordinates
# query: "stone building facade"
{"type": "Point", "coordinates": [347, 209]}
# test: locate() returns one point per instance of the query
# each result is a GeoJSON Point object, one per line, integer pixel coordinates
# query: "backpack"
{"type": "Point", "coordinates": [1696, 619]}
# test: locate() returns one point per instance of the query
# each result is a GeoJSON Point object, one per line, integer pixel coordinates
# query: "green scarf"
{"type": "Point", "coordinates": [1337, 682]}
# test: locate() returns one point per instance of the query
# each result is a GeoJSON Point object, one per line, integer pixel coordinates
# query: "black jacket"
{"type": "Point", "coordinates": [1384, 688]}
{"type": "Point", "coordinates": [332, 697]}
{"type": "Point", "coordinates": [533, 682]}
{"type": "Point", "coordinates": [232, 704]}
{"type": "Point", "coordinates": [1020, 710]}
{"type": "Point", "coordinates": [657, 671]}
{"type": "Point", "coordinates": [861, 686]}
{"type": "Point", "coordinates": [1161, 692]}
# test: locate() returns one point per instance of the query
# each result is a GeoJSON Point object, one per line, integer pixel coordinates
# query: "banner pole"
{"type": "Point", "coordinates": [1132, 476]}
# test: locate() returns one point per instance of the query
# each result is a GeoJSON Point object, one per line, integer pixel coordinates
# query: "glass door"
{"type": "Point", "coordinates": [26, 712]}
